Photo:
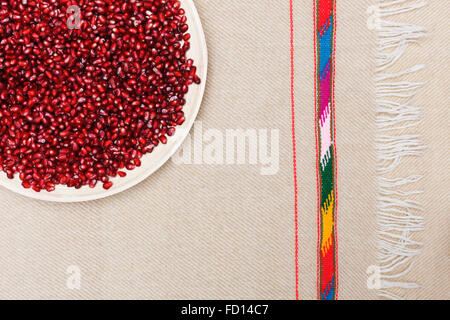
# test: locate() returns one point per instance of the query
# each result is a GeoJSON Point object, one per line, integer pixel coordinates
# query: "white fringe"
{"type": "Point", "coordinates": [397, 212]}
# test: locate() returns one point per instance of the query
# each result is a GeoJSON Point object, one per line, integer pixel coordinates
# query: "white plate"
{"type": "Point", "coordinates": [150, 162]}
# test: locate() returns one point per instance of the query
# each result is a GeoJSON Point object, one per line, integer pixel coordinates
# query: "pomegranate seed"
{"type": "Point", "coordinates": [107, 185]}
{"type": "Point", "coordinates": [26, 184]}
{"type": "Point", "coordinates": [79, 105]}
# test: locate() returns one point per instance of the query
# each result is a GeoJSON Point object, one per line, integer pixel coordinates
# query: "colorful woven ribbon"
{"type": "Point", "coordinates": [326, 156]}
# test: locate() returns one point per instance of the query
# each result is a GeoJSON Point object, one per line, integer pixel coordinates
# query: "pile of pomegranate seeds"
{"type": "Point", "coordinates": [78, 105]}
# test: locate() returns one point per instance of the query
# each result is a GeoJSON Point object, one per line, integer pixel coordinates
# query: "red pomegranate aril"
{"type": "Point", "coordinates": [26, 184]}
{"type": "Point", "coordinates": [80, 105]}
{"type": "Point", "coordinates": [163, 139]}
{"type": "Point", "coordinates": [107, 185]}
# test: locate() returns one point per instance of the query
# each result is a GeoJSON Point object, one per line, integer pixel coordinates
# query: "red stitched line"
{"type": "Point", "coordinates": [294, 146]}
{"type": "Point", "coordinates": [317, 150]}
{"type": "Point", "coordinates": [335, 153]}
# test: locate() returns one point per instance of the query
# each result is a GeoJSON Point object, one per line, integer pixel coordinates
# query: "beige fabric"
{"type": "Point", "coordinates": [227, 232]}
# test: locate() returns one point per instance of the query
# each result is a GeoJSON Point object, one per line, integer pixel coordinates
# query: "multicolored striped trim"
{"type": "Point", "coordinates": [325, 22]}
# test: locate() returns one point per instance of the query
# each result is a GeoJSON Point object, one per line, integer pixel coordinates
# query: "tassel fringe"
{"type": "Point", "coordinates": [398, 217]}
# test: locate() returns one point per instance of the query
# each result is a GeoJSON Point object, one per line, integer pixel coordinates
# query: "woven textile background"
{"type": "Point", "coordinates": [226, 231]}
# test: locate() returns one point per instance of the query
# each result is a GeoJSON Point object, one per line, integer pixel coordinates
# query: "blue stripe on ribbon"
{"type": "Point", "coordinates": [328, 293]}
{"type": "Point", "coordinates": [325, 46]}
